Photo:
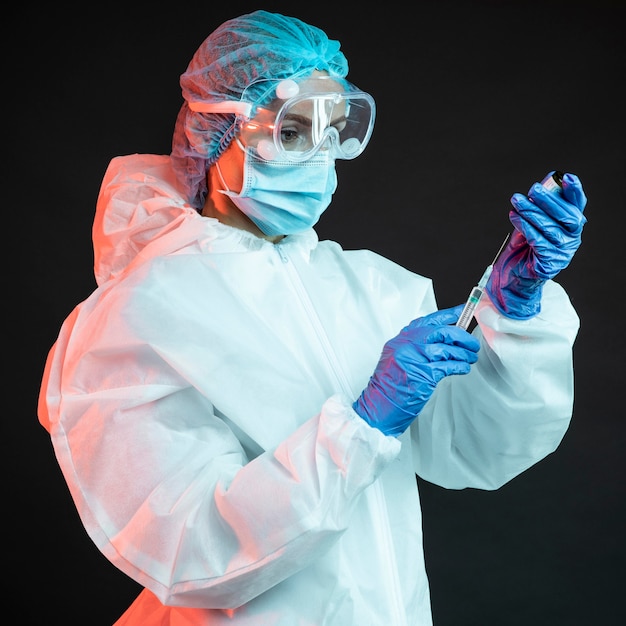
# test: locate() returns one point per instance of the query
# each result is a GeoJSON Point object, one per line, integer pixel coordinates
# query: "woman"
{"type": "Point", "coordinates": [240, 409]}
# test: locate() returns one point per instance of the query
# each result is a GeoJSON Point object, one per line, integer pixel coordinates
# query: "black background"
{"type": "Point", "coordinates": [476, 100]}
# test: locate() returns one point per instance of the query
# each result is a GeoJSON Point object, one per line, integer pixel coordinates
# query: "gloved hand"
{"type": "Point", "coordinates": [548, 227]}
{"type": "Point", "coordinates": [411, 365]}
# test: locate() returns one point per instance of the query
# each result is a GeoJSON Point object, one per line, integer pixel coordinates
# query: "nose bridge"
{"type": "Point", "coordinates": [330, 141]}
{"type": "Point", "coordinates": [331, 135]}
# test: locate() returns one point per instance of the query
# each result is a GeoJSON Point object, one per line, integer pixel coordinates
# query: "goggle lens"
{"type": "Point", "coordinates": [339, 121]}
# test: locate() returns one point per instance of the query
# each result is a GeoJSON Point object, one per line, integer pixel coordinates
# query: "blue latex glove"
{"type": "Point", "coordinates": [411, 365]}
{"type": "Point", "coordinates": [548, 227]}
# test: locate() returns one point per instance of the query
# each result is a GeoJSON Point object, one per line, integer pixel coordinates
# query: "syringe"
{"type": "Point", "coordinates": [475, 295]}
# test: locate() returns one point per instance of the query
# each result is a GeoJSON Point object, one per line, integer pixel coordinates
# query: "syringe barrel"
{"type": "Point", "coordinates": [470, 306]}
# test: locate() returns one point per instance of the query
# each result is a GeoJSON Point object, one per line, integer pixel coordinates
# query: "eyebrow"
{"type": "Point", "coordinates": [304, 120]}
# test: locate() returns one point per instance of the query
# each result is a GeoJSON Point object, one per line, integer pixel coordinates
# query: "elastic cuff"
{"type": "Point", "coordinates": [514, 306]}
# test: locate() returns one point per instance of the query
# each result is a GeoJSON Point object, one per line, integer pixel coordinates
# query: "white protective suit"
{"type": "Point", "coordinates": [199, 404]}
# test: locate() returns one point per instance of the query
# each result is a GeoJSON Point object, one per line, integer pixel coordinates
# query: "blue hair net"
{"type": "Point", "coordinates": [259, 45]}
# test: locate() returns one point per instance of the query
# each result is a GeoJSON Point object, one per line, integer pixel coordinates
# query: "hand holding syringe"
{"type": "Point", "coordinates": [475, 295]}
{"type": "Point", "coordinates": [553, 183]}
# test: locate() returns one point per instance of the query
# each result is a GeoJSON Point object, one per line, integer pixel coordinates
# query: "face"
{"type": "Point", "coordinates": [307, 117]}
{"type": "Point", "coordinates": [297, 129]}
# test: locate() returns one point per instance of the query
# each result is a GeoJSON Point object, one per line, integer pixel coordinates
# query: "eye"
{"type": "Point", "coordinates": [295, 136]}
{"type": "Point", "coordinates": [289, 135]}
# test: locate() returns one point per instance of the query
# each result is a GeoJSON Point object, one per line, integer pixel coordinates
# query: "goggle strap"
{"type": "Point", "coordinates": [227, 106]}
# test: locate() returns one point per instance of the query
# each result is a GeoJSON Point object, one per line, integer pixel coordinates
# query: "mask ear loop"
{"type": "Point", "coordinates": [245, 183]}
{"type": "Point", "coordinates": [226, 189]}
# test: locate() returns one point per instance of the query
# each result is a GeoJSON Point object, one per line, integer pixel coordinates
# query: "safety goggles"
{"type": "Point", "coordinates": [300, 118]}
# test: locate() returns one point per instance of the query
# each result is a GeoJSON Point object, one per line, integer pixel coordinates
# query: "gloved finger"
{"type": "Point", "coordinates": [438, 328]}
{"type": "Point", "coordinates": [573, 191]}
{"type": "Point", "coordinates": [556, 206]}
{"type": "Point", "coordinates": [550, 254]}
{"type": "Point", "coordinates": [539, 229]}
{"type": "Point", "coordinates": [438, 352]}
{"type": "Point", "coordinates": [441, 369]}
{"type": "Point", "coordinates": [541, 232]}
{"type": "Point", "coordinates": [441, 317]}
{"type": "Point", "coordinates": [417, 362]}
{"type": "Point", "coordinates": [549, 213]}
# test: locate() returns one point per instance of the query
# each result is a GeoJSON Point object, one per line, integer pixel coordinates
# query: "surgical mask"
{"type": "Point", "coordinates": [284, 197]}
